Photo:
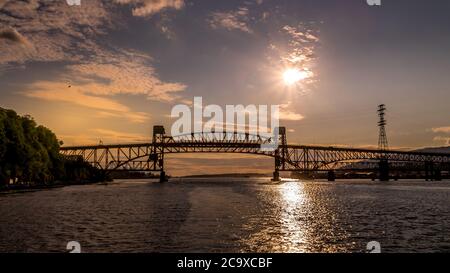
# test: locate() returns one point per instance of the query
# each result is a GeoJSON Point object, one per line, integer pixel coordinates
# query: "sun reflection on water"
{"type": "Point", "coordinates": [293, 225]}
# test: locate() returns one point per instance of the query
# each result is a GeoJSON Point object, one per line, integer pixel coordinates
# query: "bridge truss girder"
{"type": "Point", "coordinates": [147, 156]}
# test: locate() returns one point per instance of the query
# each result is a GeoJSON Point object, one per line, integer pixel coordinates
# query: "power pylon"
{"type": "Point", "coordinates": [382, 139]}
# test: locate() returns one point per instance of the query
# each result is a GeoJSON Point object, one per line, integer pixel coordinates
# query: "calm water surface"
{"type": "Point", "coordinates": [229, 215]}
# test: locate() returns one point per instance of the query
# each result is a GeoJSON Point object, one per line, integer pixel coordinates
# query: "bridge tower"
{"type": "Point", "coordinates": [281, 153]}
{"type": "Point", "coordinates": [383, 143]}
{"type": "Point", "coordinates": [157, 155]}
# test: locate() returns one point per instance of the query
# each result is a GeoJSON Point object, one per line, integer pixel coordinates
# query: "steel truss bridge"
{"type": "Point", "coordinates": [298, 158]}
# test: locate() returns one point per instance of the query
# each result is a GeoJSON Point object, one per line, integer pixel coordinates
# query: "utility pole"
{"type": "Point", "coordinates": [382, 138]}
{"type": "Point", "coordinates": [383, 144]}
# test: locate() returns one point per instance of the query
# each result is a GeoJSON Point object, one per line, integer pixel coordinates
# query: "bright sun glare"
{"type": "Point", "coordinates": [292, 76]}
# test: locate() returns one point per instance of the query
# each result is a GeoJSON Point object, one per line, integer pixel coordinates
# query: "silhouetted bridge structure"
{"type": "Point", "coordinates": [297, 158]}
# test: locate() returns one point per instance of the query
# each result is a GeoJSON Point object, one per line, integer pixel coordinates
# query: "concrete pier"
{"type": "Point", "coordinates": [331, 176]}
{"type": "Point", "coordinates": [276, 176]}
{"type": "Point", "coordinates": [162, 177]}
{"type": "Point", "coordinates": [384, 170]}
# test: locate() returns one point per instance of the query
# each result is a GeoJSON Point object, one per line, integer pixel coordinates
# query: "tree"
{"type": "Point", "coordinates": [3, 144]}
{"type": "Point", "coordinates": [30, 154]}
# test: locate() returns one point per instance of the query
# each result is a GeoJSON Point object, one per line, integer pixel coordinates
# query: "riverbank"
{"type": "Point", "coordinates": [32, 188]}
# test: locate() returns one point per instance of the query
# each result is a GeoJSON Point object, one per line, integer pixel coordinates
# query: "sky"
{"type": "Point", "coordinates": [111, 69]}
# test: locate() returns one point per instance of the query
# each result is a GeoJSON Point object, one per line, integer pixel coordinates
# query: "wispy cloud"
{"type": "Point", "coordinates": [442, 139]}
{"type": "Point", "coordinates": [300, 36]}
{"type": "Point", "coordinates": [12, 35]}
{"type": "Point", "coordinates": [300, 47]}
{"type": "Point", "coordinates": [105, 136]}
{"type": "Point", "coordinates": [57, 31]}
{"type": "Point", "coordinates": [231, 20]}
{"type": "Point", "coordinates": [151, 7]}
{"type": "Point", "coordinates": [124, 72]}
{"type": "Point", "coordinates": [116, 136]}
{"type": "Point", "coordinates": [441, 130]}
{"type": "Point", "coordinates": [136, 117]}
{"type": "Point", "coordinates": [72, 35]}
{"type": "Point", "coordinates": [294, 47]}
{"type": "Point", "coordinates": [444, 132]}
{"type": "Point", "coordinates": [289, 115]}
{"type": "Point", "coordinates": [54, 91]}
{"type": "Point", "coordinates": [62, 92]}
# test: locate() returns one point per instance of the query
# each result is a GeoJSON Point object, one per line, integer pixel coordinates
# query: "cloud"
{"type": "Point", "coordinates": [232, 20]}
{"type": "Point", "coordinates": [60, 32]}
{"type": "Point", "coordinates": [109, 136]}
{"type": "Point", "coordinates": [54, 91]}
{"type": "Point", "coordinates": [441, 130]}
{"type": "Point", "coordinates": [300, 47]}
{"type": "Point", "coordinates": [136, 117]}
{"type": "Point", "coordinates": [13, 46]}
{"type": "Point", "coordinates": [289, 115]}
{"type": "Point", "coordinates": [57, 31]}
{"type": "Point", "coordinates": [445, 140]}
{"type": "Point", "coordinates": [300, 36]}
{"type": "Point", "coordinates": [73, 36]}
{"type": "Point", "coordinates": [151, 7]}
{"type": "Point", "coordinates": [123, 72]}
{"type": "Point", "coordinates": [106, 136]}
{"type": "Point", "coordinates": [77, 139]}
{"type": "Point", "coordinates": [294, 47]}
{"type": "Point", "coordinates": [59, 92]}
{"type": "Point", "coordinates": [14, 36]}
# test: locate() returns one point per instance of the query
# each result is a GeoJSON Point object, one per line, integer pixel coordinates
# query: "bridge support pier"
{"type": "Point", "coordinates": [331, 176]}
{"type": "Point", "coordinates": [384, 170]}
{"type": "Point", "coordinates": [276, 175]}
{"type": "Point", "coordinates": [162, 177]}
{"type": "Point", "coordinates": [437, 175]}
{"type": "Point", "coordinates": [429, 171]}
{"type": "Point", "coordinates": [432, 173]}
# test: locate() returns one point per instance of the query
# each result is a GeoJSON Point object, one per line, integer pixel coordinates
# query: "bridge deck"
{"type": "Point", "coordinates": [252, 145]}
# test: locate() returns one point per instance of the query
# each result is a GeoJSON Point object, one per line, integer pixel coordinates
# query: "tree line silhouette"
{"type": "Point", "coordinates": [29, 155]}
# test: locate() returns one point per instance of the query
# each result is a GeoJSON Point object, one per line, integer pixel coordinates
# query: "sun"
{"type": "Point", "coordinates": [292, 76]}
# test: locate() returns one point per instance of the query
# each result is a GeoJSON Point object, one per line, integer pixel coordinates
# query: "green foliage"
{"type": "Point", "coordinates": [30, 154]}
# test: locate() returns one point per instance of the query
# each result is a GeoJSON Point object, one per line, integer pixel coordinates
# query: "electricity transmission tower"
{"type": "Point", "coordinates": [382, 139]}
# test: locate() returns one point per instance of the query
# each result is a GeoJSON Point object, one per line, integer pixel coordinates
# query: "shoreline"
{"type": "Point", "coordinates": [34, 188]}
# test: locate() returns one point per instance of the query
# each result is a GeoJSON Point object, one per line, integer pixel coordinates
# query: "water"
{"type": "Point", "coordinates": [229, 215]}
